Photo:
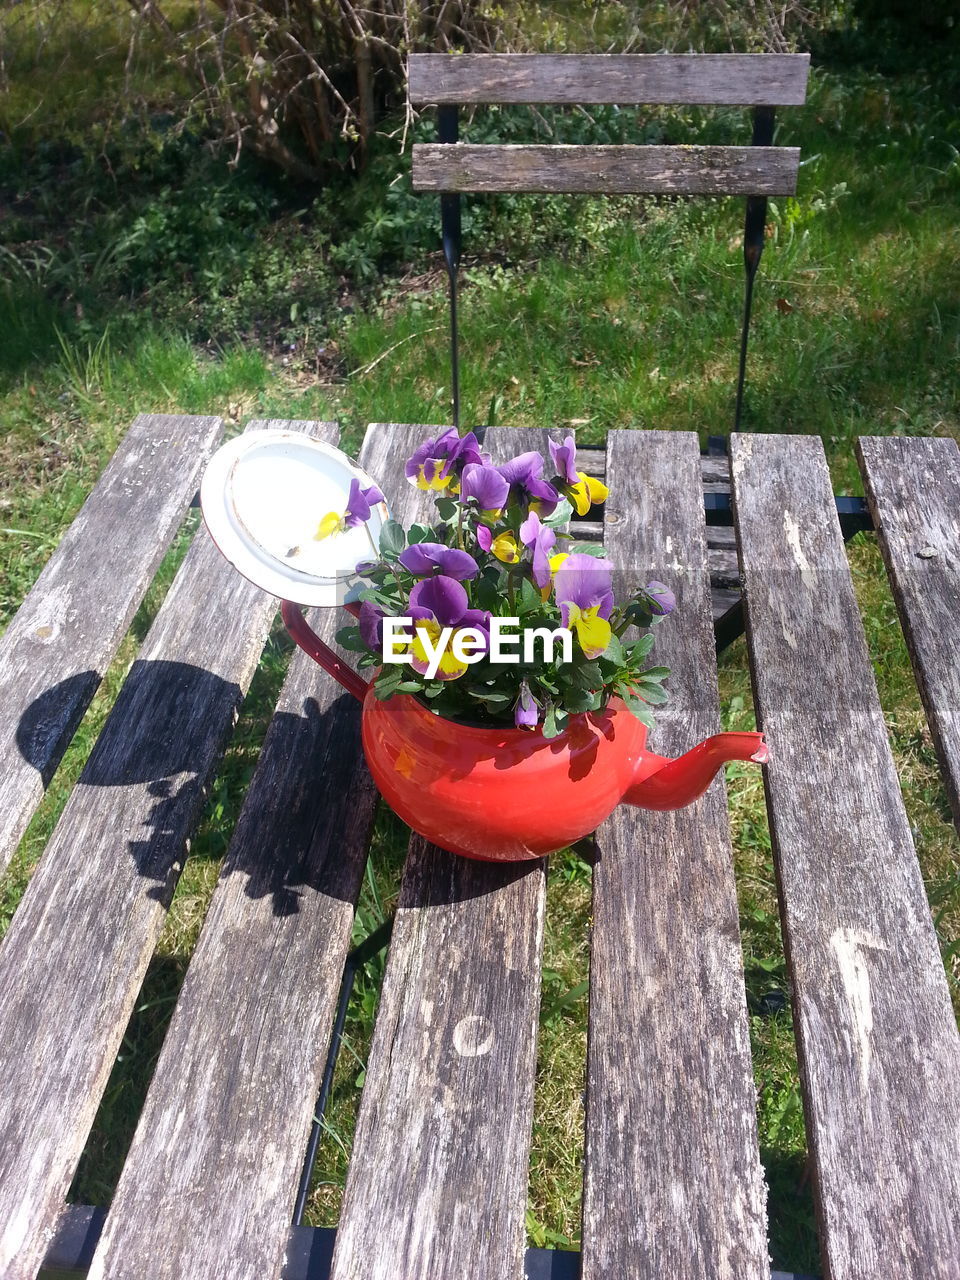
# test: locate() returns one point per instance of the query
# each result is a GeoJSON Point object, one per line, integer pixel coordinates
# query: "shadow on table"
{"type": "Point", "coordinates": [161, 742]}
{"type": "Point", "coordinates": [47, 725]}
{"type": "Point", "coordinates": [306, 820]}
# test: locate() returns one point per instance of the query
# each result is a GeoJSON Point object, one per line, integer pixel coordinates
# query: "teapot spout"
{"type": "Point", "coordinates": [672, 784]}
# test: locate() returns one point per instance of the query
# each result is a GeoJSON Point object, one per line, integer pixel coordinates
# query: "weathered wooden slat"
{"type": "Point", "coordinates": [209, 1184]}
{"type": "Point", "coordinates": [714, 470]}
{"type": "Point", "coordinates": [592, 460]}
{"type": "Point", "coordinates": [673, 1184]}
{"type": "Point", "coordinates": [722, 599]}
{"type": "Point", "coordinates": [616, 170]}
{"type": "Point", "coordinates": [715, 473]}
{"type": "Point", "coordinates": [722, 556]}
{"type": "Point", "coordinates": [437, 1184]}
{"type": "Point", "coordinates": [878, 1045]}
{"type": "Point", "coordinates": [76, 952]}
{"type": "Point", "coordinates": [587, 530]}
{"type": "Point", "coordinates": [913, 489]}
{"type": "Point", "coordinates": [58, 645]}
{"type": "Point", "coordinates": [732, 79]}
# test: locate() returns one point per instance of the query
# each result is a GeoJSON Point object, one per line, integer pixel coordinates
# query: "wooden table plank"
{"type": "Point", "coordinates": [673, 1183]}
{"type": "Point", "coordinates": [878, 1045]}
{"type": "Point", "coordinates": [56, 648]}
{"type": "Point", "coordinates": [209, 1184]}
{"type": "Point", "coordinates": [76, 953]}
{"type": "Point", "coordinates": [913, 488]}
{"type": "Point", "coordinates": [437, 1185]}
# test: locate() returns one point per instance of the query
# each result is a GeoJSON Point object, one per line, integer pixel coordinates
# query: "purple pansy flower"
{"type": "Point", "coordinates": [535, 534]}
{"type": "Point", "coordinates": [584, 581]}
{"type": "Point", "coordinates": [526, 713]}
{"type": "Point", "coordinates": [438, 460]}
{"type": "Point", "coordinates": [584, 592]}
{"type": "Point", "coordinates": [659, 598]}
{"type": "Point", "coordinates": [445, 601]}
{"type": "Point", "coordinates": [360, 503]}
{"type": "Point", "coordinates": [525, 474]}
{"type": "Point", "coordinates": [436, 603]}
{"type": "Point", "coordinates": [484, 537]}
{"type": "Point", "coordinates": [371, 625]}
{"type": "Point", "coordinates": [425, 558]}
{"type": "Point", "coordinates": [564, 457]}
{"type": "Point", "coordinates": [486, 486]}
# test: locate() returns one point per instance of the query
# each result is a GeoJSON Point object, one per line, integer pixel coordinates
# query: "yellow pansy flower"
{"type": "Point", "coordinates": [504, 547]}
{"type": "Point", "coordinates": [593, 632]}
{"type": "Point", "coordinates": [437, 482]}
{"type": "Point", "coordinates": [332, 522]}
{"type": "Point", "coordinates": [450, 668]}
{"type": "Point", "coordinates": [585, 492]}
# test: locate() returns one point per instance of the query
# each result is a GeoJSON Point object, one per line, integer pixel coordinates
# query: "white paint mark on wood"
{"type": "Point", "coordinates": [473, 1036]}
{"type": "Point", "coordinates": [792, 529]}
{"type": "Point", "coordinates": [847, 945]}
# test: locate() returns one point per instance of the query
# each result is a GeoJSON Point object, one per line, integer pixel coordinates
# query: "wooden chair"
{"type": "Point", "coordinates": [450, 167]}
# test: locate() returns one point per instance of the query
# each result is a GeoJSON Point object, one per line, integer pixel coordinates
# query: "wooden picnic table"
{"type": "Point", "coordinates": [437, 1183]}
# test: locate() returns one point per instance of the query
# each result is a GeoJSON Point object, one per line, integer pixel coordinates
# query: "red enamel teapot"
{"type": "Point", "coordinates": [503, 794]}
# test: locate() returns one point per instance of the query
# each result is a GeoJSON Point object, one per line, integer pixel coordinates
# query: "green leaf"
{"type": "Point", "coordinates": [585, 675]}
{"type": "Point", "coordinates": [639, 649]}
{"type": "Point", "coordinates": [409, 686]}
{"type": "Point", "coordinates": [529, 598]}
{"type": "Point", "coordinates": [387, 682]}
{"type": "Point", "coordinates": [650, 691]}
{"type": "Point", "coordinates": [614, 652]}
{"type": "Point", "coordinates": [589, 549]}
{"type": "Point", "coordinates": [349, 638]}
{"type": "Point", "coordinates": [550, 729]}
{"type": "Point", "coordinates": [638, 614]}
{"type": "Point", "coordinates": [492, 697]}
{"type": "Point", "coordinates": [655, 673]}
{"type": "Point", "coordinates": [562, 514]}
{"type": "Point", "coordinates": [392, 539]}
{"type": "Point", "coordinates": [419, 533]}
{"type": "Point", "coordinates": [446, 508]}
{"type": "Point", "coordinates": [637, 707]}
{"type": "Point", "coordinates": [577, 701]}
{"type": "Point", "coordinates": [487, 592]}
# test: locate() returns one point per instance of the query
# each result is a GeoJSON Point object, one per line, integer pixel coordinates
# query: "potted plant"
{"type": "Point", "coordinates": [511, 692]}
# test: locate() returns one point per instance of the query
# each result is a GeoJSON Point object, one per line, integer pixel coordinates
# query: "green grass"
{"type": "Point", "coordinates": [604, 314]}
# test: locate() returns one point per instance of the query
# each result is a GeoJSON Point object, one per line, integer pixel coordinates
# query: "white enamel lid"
{"type": "Point", "coordinates": [263, 496]}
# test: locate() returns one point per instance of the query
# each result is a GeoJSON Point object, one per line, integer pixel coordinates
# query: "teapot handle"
{"type": "Point", "coordinates": [308, 640]}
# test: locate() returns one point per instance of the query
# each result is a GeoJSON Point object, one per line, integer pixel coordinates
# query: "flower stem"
{"type": "Point", "coordinates": [396, 578]}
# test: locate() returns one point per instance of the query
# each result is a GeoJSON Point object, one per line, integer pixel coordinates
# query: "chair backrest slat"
{"type": "Point", "coordinates": [722, 79]}
{"type": "Point", "coordinates": [626, 170]}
